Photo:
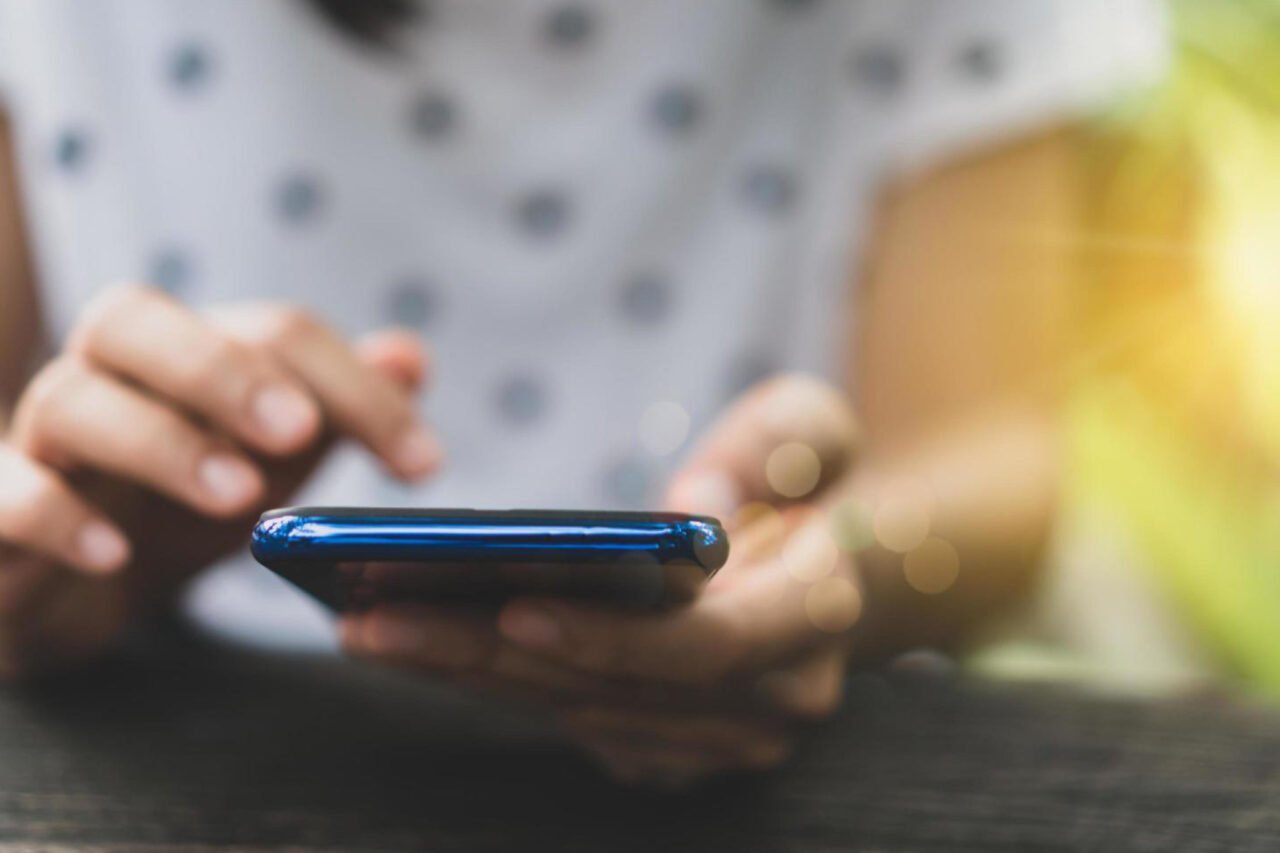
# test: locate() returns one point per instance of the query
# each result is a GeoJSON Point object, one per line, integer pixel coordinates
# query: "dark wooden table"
{"type": "Point", "coordinates": [190, 748]}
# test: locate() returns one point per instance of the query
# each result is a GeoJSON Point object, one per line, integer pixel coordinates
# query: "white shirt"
{"type": "Point", "coordinates": [607, 216]}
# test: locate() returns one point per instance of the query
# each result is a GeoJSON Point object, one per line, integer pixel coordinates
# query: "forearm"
{"type": "Point", "coordinates": [960, 318]}
{"type": "Point", "coordinates": [19, 327]}
{"type": "Point", "coordinates": [952, 531]}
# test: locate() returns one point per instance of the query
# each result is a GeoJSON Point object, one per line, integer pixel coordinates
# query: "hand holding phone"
{"type": "Point", "coordinates": [668, 695]}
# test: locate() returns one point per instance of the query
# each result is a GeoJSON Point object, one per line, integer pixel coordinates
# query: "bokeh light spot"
{"type": "Point", "coordinates": [903, 517]}
{"type": "Point", "coordinates": [664, 426]}
{"type": "Point", "coordinates": [811, 554]}
{"type": "Point", "coordinates": [933, 567]}
{"type": "Point", "coordinates": [833, 604]}
{"type": "Point", "coordinates": [793, 469]}
{"type": "Point", "coordinates": [851, 525]}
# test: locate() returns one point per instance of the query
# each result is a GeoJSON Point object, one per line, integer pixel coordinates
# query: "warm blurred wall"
{"type": "Point", "coordinates": [1175, 413]}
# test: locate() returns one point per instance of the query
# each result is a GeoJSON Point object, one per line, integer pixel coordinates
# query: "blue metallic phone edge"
{"type": "Point", "coordinates": [303, 534]}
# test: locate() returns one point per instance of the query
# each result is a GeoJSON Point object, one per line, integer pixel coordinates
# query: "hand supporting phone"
{"type": "Point", "coordinates": [353, 558]}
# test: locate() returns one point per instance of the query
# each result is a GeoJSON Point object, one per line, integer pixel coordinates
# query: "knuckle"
{"type": "Point", "coordinates": [795, 388]}
{"type": "Point", "coordinates": [171, 441]}
{"type": "Point", "coordinates": [819, 398]}
{"type": "Point", "coordinates": [19, 521]}
{"type": "Point", "coordinates": [832, 411]}
{"type": "Point", "coordinates": [219, 363]}
{"type": "Point", "coordinates": [33, 507]}
{"type": "Point", "coordinates": [287, 325]}
{"type": "Point", "coordinates": [394, 417]}
{"type": "Point", "coordinates": [398, 416]}
{"type": "Point", "coordinates": [105, 311]}
{"type": "Point", "coordinates": [802, 384]}
{"type": "Point", "coordinates": [47, 392]}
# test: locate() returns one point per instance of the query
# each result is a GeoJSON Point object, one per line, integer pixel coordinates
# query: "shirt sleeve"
{"type": "Point", "coordinates": [977, 72]}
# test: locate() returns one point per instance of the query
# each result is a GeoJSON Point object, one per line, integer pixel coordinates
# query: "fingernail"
{"type": "Point", "coordinates": [529, 627]}
{"type": "Point", "coordinates": [284, 412]}
{"type": "Point", "coordinates": [709, 494]}
{"type": "Point", "coordinates": [228, 479]}
{"type": "Point", "coordinates": [101, 546]}
{"type": "Point", "coordinates": [417, 451]}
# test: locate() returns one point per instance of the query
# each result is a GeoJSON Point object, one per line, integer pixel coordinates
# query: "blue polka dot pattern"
{"type": "Point", "coordinates": [71, 149]}
{"type": "Point", "coordinates": [433, 115]}
{"type": "Point", "coordinates": [769, 189]}
{"type": "Point", "coordinates": [569, 26]}
{"type": "Point", "coordinates": [299, 198]}
{"type": "Point", "coordinates": [543, 213]}
{"type": "Point", "coordinates": [646, 299]}
{"type": "Point", "coordinates": [676, 108]}
{"type": "Point", "coordinates": [981, 61]}
{"type": "Point", "coordinates": [521, 400]}
{"type": "Point", "coordinates": [878, 68]}
{"type": "Point", "coordinates": [414, 303]}
{"type": "Point", "coordinates": [630, 483]}
{"type": "Point", "coordinates": [189, 67]}
{"type": "Point", "coordinates": [171, 270]}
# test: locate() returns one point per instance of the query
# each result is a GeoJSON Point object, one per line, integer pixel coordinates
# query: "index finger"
{"type": "Point", "coordinates": [144, 336]}
{"type": "Point", "coordinates": [361, 402]}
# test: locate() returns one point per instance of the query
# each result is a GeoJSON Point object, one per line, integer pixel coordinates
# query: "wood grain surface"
{"type": "Point", "coordinates": [187, 747]}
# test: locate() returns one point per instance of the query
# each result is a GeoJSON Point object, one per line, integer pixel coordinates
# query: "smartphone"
{"type": "Point", "coordinates": [352, 558]}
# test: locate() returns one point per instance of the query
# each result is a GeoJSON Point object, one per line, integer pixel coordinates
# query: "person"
{"type": "Point", "coordinates": [629, 232]}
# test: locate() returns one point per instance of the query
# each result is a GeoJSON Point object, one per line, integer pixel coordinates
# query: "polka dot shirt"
{"type": "Point", "coordinates": [591, 208]}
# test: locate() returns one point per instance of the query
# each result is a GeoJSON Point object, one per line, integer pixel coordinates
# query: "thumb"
{"type": "Point", "coordinates": [785, 439]}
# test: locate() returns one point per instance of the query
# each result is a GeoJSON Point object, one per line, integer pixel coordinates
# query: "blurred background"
{"type": "Point", "coordinates": [1168, 561]}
